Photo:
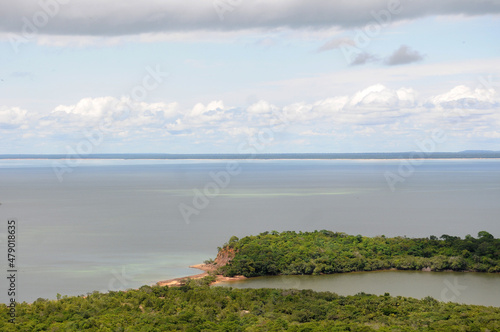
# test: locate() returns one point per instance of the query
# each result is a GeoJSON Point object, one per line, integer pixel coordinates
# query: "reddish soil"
{"type": "Point", "coordinates": [224, 256]}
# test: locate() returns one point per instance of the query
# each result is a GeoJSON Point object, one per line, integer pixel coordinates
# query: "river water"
{"type": "Point", "coordinates": [461, 287]}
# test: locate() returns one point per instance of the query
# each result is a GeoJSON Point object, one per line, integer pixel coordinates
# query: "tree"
{"type": "Point", "coordinates": [483, 235]}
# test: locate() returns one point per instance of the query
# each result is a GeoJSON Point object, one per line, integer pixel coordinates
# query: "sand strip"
{"type": "Point", "coordinates": [204, 267]}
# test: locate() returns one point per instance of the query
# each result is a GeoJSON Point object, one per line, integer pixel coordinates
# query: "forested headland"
{"type": "Point", "coordinates": [325, 252]}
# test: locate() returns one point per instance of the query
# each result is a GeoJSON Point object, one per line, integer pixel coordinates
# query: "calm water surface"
{"type": "Point", "coordinates": [112, 225]}
{"type": "Point", "coordinates": [466, 287]}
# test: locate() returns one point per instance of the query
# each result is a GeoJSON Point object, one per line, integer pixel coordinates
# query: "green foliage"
{"type": "Point", "coordinates": [324, 252]}
{"type": "Point", "coordinates": [209, 261]}
{"type": "Point", "coordinates": [197, 307]}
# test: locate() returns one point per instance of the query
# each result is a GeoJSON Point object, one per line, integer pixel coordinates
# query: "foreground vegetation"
{"type": "Point", "coordinates": [318, 252]}
{"type": "Point", "coordinates": [198, 307]}
{"type": "Point", "coordinates": [195, 306]}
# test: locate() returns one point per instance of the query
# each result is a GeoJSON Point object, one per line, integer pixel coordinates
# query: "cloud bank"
{"type": "Point", "coordinates": [130, 17]}
{"type": "Point", "coordinates": [376, 111]}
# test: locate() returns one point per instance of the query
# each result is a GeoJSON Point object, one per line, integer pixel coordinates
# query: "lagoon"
{"type": "Point", "coordinates": [460, 287]}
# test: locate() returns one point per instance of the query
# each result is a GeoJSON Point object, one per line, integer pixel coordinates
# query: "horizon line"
{"type": "Point", "coordinates": [468, 154]}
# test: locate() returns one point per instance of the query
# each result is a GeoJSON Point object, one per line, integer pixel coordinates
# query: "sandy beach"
{"type": "Point", "coordinates": [207, 268]}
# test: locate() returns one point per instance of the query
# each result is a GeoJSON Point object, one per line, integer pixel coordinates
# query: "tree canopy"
{"type": "Point", "coordinates": [325, 252]}
{"type": "Point", "coordinates": [198, 307]}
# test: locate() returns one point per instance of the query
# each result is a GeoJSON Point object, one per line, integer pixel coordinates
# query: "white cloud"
{"type": "Point", "coordinates": [202, 115]}
{"type": "Point", "coordinates": [123, 113]}
{"type": "Point", "coordinates": [406, 96]}
{"type": "Point", "coordinates": [12, 117]}
{"type": "Point", "coordinates": [465, 97]}
{"type": "Point", "coordinates": [90, 107]}
{"type": "Point", "coordinates": [261, 107]}
{"type": "Point", "coordinates": [376, 111]}
{"type": "Point", "coordinates": [200, 109]}
{"type": "Point", "coordinates": [378, 96]}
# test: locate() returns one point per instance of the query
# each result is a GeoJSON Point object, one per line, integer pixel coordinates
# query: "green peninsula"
{"type": "Point", "coordinates": [325, 252]}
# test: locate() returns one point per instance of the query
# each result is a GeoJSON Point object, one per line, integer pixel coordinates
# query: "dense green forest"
{"type": "Point", "coordinates": [319, 252]}
{"type": "Point", "coordinates": [195, 306]}
{"type": "Point", "coordinates": [198, 307]}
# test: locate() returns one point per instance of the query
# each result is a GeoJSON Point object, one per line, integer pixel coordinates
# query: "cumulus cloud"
{"type": "Point", "coordinates": [368, 112]}
{"type": "Point", "coordinates": [375, 96]}
{"type": "Point", "coordinates": [465, 97]}
{"type": "Point", "coordinates": [117, 114]}
{"type": "Point", "coordinates": [402, 56]}
{"type": "Point", "coordinates": [261, 107]}
{"type": "Point", "coordinates": [11, 118]}
{"type": "Point", "coordinates": [131, 17]}
{"type": "Point", "coordinates": [90, 107]}
{"type": "Point", "coordinates": [200, 109]}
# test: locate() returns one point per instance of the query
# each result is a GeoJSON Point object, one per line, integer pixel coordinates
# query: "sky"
{"type": "Point", "coordinates": [249, 76]}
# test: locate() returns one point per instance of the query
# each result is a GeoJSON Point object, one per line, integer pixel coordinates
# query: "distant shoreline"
{"type": "Point", "coordinates": [420, 155]}
{"type": "Point", "coordinates": [265, 159]}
